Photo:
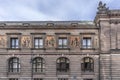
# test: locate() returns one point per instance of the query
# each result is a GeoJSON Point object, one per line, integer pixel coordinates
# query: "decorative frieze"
{"type": "Point", "coordinates": [49, 41]}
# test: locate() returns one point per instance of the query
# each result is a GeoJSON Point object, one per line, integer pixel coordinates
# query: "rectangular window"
{"type": "Point", "coordinates": [62, 78]}
{"type": "Point", "coordinates": [38, 79]}
{"type": "Point", "coordinates": [38, 43]}
{"type": "Point", "coordinates": [62, 42]}
{"type": "Point", "coordinates": [86, 42]}
{"type": "Point", "coordinates": [14, 43]}
{"type": "Point", "coordinates": [13, 79]}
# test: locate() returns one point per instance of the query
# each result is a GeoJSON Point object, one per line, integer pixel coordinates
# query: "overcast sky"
{"type": "Point", "coordinates": [51, 10]}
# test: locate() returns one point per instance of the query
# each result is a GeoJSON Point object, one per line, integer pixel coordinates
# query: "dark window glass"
{"type": "Point", "coordinates": [38, 65]}
{"type": "Point", "coordinates": [88, 79]}
{"type": "Point", "coordinates": [62, 42]}
{"type": "Point", "coordinates": [86, 42]}
{"type": "Point", "coordinates": [13, 79]}
{"type": "Point", "coordinates": [62, 78]}
{"type": "Point", "coordinates": [14, 43]}
{"type": "Point", "coordinates": [38, 42]}
{"type": "Point", "coordinates": [14, 65]}
{"type": "Point", "coordinates": [38, 79]}
{"type": "Point", "coordinates": [62, 65]}
{"type": "Point", "coordinates": [87, 64]}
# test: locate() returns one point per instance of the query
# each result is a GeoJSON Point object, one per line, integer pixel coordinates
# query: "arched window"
{"type": "Point", "coordinates": [38, 64]}
{"type": "Point", "coordinates": [87, 64]}
{"type": "Point", "coordinates": [14, 64]}
{"type": "Point", "coordinates": [62, 64]}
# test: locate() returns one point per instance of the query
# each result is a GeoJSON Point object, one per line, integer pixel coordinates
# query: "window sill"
{"type": "Point", "coordinates": [38, 48]}
{"type": "Point", "coordinates": [87, 48]}
{"type": "Point", "coordinates": [35, 73]}
{"type": "Point", "coordinates": [62, 48]}
{"type": "Point", "coordinates": [13, 73]}
{"type": "Point", "coordinates": [87, 73]}
{"type": "Point", "coordinates": [13, 48]}
{"type": "Point", "coordinates": [63, 73]}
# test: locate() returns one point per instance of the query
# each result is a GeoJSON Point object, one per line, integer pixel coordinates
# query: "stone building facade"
{"type": "Point", "coordinates": [62, 50]}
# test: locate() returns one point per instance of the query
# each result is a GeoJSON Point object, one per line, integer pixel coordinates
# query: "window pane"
{"type": "Point", "coordinates": [60, 41]}
{"type": "Point", "coordinates": [38, 65]}
{"type": "Point", "coordinates": [17, 43]}
{"type": "Point", "coordinates": [89, 42]}
{"type": "Point", "coordinates": [15, 60]}
{"type": "Point", "coordinates": [19, 65]}
{"type": "Point", "coordinates": [64, 41]}
{"type": "Point", "coordinates": [40, 41]}
{"type": "Point", "coordinates": [86, 59]}
{"type": "Point", "coordinates": [36, 41]}
{"type": "Point", "coordinates": [43, 66]}
{"type": "Point", "coordinates": [14, 65]}
{"type": "Point", "coordinates": [13, 42]}
{"type": "Point", "coordinates": [84, 43]}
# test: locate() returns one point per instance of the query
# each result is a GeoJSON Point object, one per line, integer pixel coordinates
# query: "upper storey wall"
{"type": "Point", "coordinates": [50, 32]}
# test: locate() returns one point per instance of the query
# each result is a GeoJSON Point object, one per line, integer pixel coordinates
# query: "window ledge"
{"type": "Point", "coordinates": [87, 73]}
{"type": "Point", "coordinates": [62, 48]}
{"type": "Point", "coordinates": [63, 73]}
{"type": "Point", "coordinates": [34, 73]}
{"type": "Point", "coordinates": [87, 48]}
{"type": "Point", "coordinates": [13, 73]}
{"type": "Point", "coordinates": [13, 48]}
{"type": "Point", "coordinates": [38, 48]}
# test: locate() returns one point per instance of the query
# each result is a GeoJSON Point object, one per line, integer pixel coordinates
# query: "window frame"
{"type": "Point", "coordinates": [13, 35]}
{"type": "Point", "coordinates": [38, 35]}
{"type": "Point", "coordinates": [88, 43]}
{"type": "Point", "coordinates": [11, 63]}
{"type": "Point", "coordinates": [64, 42]}
{"type": "Point", "coordinates": [87, 66]}
{"type": "Point", "coordinates": [63, 66]}
{"type": "Point", "coordinates": [14, 43]}
{"type": "Point", "coordinates": [35, 65]}
{"type": "Point", "coordinates": [38, 40]}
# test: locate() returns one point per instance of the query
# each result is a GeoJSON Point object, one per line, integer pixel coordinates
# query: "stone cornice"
{"type": "Point", "coordinates": [46, 24]}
